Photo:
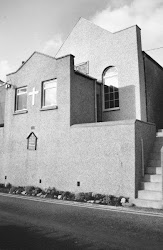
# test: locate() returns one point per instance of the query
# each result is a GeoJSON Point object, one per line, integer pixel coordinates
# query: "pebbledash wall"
{"type": "Point", "coordinates": [101, 48]}
{"type": "Point", "coordinates": [2, 104]}
{"type": "Point", "coordinates": [103, 157]}
{"type": "Point", "coordinates": [154, 90]}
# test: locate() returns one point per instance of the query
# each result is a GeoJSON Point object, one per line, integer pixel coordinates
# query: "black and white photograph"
{"type": "Point", "coordinates": [81, 124]}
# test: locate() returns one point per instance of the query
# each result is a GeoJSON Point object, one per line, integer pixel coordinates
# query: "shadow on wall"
{"type": "Point", "coordinates": [127, 106]}
{"type": "Point", "coordinates": [2, 105]}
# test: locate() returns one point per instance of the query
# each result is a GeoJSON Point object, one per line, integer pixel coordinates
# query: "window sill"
{"type": "Point", "coordinates": [113, 109]}
{"type": "Point", "coordinates": [49, 108]}
{"type": "Point", "coordinates": [18, 112]}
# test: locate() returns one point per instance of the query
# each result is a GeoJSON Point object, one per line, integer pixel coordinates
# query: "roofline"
{"type": "Point", "coordinates": [135, 25]}
{"type": "Point", "coordinates": [95, 25]}
{"type": "Point", "coordinates": [85, 75]}
{"type": "Point", "coordinates": [151, 59]}
{"type": "Point", "coordinates": [35, 52]}
{"type": "Point", "coordinates": [73, 29]}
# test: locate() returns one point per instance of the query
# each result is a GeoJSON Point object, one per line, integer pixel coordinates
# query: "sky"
{"type": "Point", "coordinates": [43, 25]}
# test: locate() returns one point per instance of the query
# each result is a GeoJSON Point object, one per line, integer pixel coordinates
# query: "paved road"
{"type": "Point", "coordinates": [28, 224]}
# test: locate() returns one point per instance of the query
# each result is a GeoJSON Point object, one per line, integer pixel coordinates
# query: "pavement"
{"type": "Point", "coordinates": [125, 209]}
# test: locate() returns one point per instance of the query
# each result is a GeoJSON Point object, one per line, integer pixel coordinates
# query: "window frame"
{"type": "Point", "coordinates": [16, 99]}
{"type": "Point", "coordinates": [114, 90]}
{"type": "Point", "coordinates": [43, 106]}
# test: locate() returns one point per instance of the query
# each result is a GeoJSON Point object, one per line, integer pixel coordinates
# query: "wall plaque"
{"type": "Point", "coordinates": [32, 141]}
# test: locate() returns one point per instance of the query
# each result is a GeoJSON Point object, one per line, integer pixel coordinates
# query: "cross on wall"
{"type": "Point", "coordinates": [33, 93]}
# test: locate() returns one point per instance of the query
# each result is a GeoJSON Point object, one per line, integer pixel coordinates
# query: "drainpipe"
{"type": "Point", "coordinates": [95, 101]}
{"type": "Point", "coordinates": [142, 155]}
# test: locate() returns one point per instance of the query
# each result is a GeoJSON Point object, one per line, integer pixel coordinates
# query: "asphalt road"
{"type": "Point", "coordinates": [26, 224]}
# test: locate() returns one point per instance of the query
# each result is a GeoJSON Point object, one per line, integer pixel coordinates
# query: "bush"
{"type": "Point", "coordinates": [68, 196]}
{"type": "Point", "coordinates": [79, 197]}
{"type": "Point", "coordinates": [36, 191]}
{"type": "Point", "coordinates": [88, 196]}
{"type": "Point", "coordinates": [19, 190]}
{"type": "Point", "coordinates": [8, 185]}
{"type": "Point", "coordinates": [13, 190]}
{"type": "Point", "coordinates": [29, 189]}
{"type": "Point", "coordinates": [99, 196]}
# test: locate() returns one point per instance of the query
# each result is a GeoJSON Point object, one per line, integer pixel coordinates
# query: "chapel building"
{"type": "Point", "coordinates": [86, 119]}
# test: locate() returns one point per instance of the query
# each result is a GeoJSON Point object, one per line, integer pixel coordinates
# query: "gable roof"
{"type": "Point", "coordinates": [35, 52]}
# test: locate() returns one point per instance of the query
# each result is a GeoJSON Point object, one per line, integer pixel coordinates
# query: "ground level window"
{"type": "Point", "coordinates": [21, 99]}
{"type": "Point", "coordinates": [111, 92]}
{"type": "Point", "coordinates": [49, 93]}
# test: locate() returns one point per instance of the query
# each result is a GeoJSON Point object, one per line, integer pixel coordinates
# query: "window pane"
{"type": "Point", "coordinates": [21, 91]}
{"type": "Point", "coordinates": [21, 101]}
{"type": "Point", "coordinates": [106, 97]}
{"type": "Point", "coordinates": [106, 105]}
{"type": "Point", "coordinates": [50, 84]}
{"type": "Point", "coordinates": [111, 92]}
{"type": "Point", "coordinates": [116, 95]}
{"type": "Point", "coordinates": [117, 103]}
{"type": "Point", "coordinates": [111, 104]}
{"type": "Point", "coordinates": [111, 89]}
{"type": "Point", "coordinates": [50, 93]}
{"type": "Point", "coordinates": [106, 89]}
{"type": "Point", "coordinates": [111, 96]}
{"type": "Point", "coordinates": [50, 97]}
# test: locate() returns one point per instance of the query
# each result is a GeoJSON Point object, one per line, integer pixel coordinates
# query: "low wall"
{"type": "Point", "coordinates": [102, 158]}
{"type": "Point", "coordinates": [145, 134]}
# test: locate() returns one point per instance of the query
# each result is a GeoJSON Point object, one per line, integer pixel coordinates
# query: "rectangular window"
{"type": "Point", "coordinates": [21, 99]}
{"type": "Point", "coordinates": [49, 91]}
{"type": "Point", "coordinates": [111, 95]}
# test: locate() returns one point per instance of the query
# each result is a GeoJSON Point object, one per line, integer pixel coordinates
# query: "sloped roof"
{"type": "Point", "coordinates": [35, 52]}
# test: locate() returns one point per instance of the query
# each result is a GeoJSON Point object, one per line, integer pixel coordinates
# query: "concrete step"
{"type": "Point", "coordinates": [153, 170]}
{"type": "Point", "coordinates": [148, 203]}
{"type": "Point", "coordinates": [155, 163]}
{"type": "Point", "coordinates": [160, 130]}
{"type": "Point", "coordinates": [152, 186]}
{"type": "Point", "coordinates": [159, 134]}
{"type": "Point", "coordinates": [153, 178]}
{"type": "Point", "coordinates": [149, 195]}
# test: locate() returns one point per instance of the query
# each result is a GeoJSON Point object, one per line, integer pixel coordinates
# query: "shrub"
{"type": "Point", "coordinates": [2, 185]}
{"type": "Point", "coordinates": [99, 196]}
{"type": "Point", "coordinates": [13, 190]}
{"type": "Point", "coordinates": [79, 197]}
{"type": "Point", "coordinates": [88, 196]}
{"type": "Point", "coordinates": [29, 189]}
{"type": "Point", "coordinates": [8, 185]}
{"type": "Point", "coordinates": [68, 196]}
{"type": "Point", "coordinates": [19, 190]}
{"type": "Point", "coordinates": [36, 191]}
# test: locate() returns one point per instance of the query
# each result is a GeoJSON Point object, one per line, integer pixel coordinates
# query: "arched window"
{"type": "Point", "coordinates": [111, 92]}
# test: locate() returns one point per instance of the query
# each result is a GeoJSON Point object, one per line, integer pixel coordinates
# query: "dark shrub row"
{"type": "Point", "coordinates": [53, 193]}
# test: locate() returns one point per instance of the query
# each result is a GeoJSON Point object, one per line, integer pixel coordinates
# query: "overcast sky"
{"type": "Point", "coordinates": [42, 25]}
